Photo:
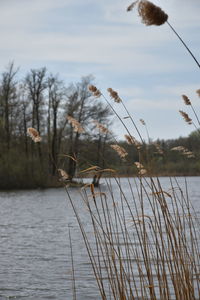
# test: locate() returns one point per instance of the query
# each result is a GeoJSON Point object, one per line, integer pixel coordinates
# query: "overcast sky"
{"type": "Point", "coordinates": [148, 66]}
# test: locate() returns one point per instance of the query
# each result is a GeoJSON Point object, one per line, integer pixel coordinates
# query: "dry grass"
{"type": "Point", "coordinates": [186, 117]}
{"type": "Point", "coordinates": [120, 150]}
{"type": "Point", "coordinates": [151, 14]}
{"type": "Point", "coordinates": [34, 134]}
{"type": "Point", "coordinates": [75, 124]}
{"type": "Point", "coordinates": [146, 240]}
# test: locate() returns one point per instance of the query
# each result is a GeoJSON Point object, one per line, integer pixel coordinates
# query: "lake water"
{"type": "Point", "coordinates": [35, 259]}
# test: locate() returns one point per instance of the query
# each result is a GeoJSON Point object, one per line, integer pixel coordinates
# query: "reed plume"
{"type": "Point", "coordinates": [154, 15]}
{"type": "Point", "coordinates": [186, 117]}
{"type": "Point", "coordinates": [114, 95]}
{"type": "Point", "coordinates": [178, 148]}
{"type": "Point", "coordinates": [34, 134]}
{"type": "Point", "coordinates": [120, 150]}
{"type": "Point", "coordinates": [151, 14]}
{"type": "Point", "coordinates": [132, 141]}
{"type": "Point", "coordinates": [141, 169]}
{"type": "Point", "coordinates": [101, 127]}
{"type": "Point", "coordinates": [189, 154]}
{"type": "Point", "coordinates": [95, 92]}
{"type": "Point", "coordinates": [186, 100]}
{"type": "Point", "coordinates": [63, 174]}
{"type": "Point", "coordinates": [75, 124]}
{"type": "Point", "coordinates": [183, 150]}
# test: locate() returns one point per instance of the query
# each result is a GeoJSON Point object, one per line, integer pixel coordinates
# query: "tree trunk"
{"type": "Point", "coordinates": [54, 143]}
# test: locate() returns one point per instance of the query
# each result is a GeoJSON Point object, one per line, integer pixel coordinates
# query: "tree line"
{"type": "Point", "coordinates": [43, 101]}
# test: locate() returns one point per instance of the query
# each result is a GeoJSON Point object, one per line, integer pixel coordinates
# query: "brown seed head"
{"type": "Point", "coordinates": [183, 150]}
{"type": "Point", "coordinates": [34, 134]}
{"type": "Point", "coordinates": [114, 95]}
{"type": "Point", "coordinates": [142, 172]}
{"type": "Point", "coordinates": [101, 127]}
{"type": "Point", "coordinates": [120, 150]}
{"type": "Point", "coordinates": [92, 88]}
{"type": "Point", "coordinates": [139, 165]}
{"type": "Point", "coordinates": [141, 169]}
{"type": "Point", "coordinates": [96, 93]}
{"type": "Point", "coordinates": [75, 124]}
{"type": "Point", "coordinates": [186, 100]}
{"type": "Point", "coordinates": [63, 174]}
{"type": "Point", "coordinates": [189, 154]}
{"type": "Point", "coordinates": [132, 141]}
{"type": "Point", "coordinates": [185, 117]}
{"type": "Point", "coordinates": [151, 14]}
{"type": "Point", "coordinates": [129, 139]}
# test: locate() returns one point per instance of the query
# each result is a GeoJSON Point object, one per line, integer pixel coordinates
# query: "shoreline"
{"type": "Point", "coordinates": [78, 183]}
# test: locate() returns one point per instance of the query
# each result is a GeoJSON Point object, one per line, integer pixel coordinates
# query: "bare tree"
{"type": "Point", "coordinates": [36, 84]}
{"type": "Point", "coordinates": [84, 108]}
{"type": "Point", "coordinates": [56, 93]}
{"type": "Point", "coordinates": [7, 100]}
{"type": "Point", "coordinates": [25, 115]}
{"type": "Point", "coordinates": [78, 109]}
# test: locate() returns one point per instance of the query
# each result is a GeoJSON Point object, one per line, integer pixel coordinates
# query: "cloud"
{"type": "Point", "coordinates": [120, 48]}
{"type": "Point", "coordinates": [147, 65]}
{"type": "Point", "coordinates": [177, 90]}
{"type": "Point", "coordinates": [124, 51]}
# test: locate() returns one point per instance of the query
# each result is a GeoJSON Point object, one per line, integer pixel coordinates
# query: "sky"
{"type": "Point", "coordinates": [146, 65]}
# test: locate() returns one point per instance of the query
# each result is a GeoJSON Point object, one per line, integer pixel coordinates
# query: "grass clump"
{"type": "Point", "coordinates": [146, 235]}
{"type": "Point", "coordinates": [146, 239]}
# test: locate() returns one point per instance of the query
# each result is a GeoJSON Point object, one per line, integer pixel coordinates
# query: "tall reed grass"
{"type": "Point", "coordinates": [146, 238]}
{"type": "Point", "coordinates": [146, 242]}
